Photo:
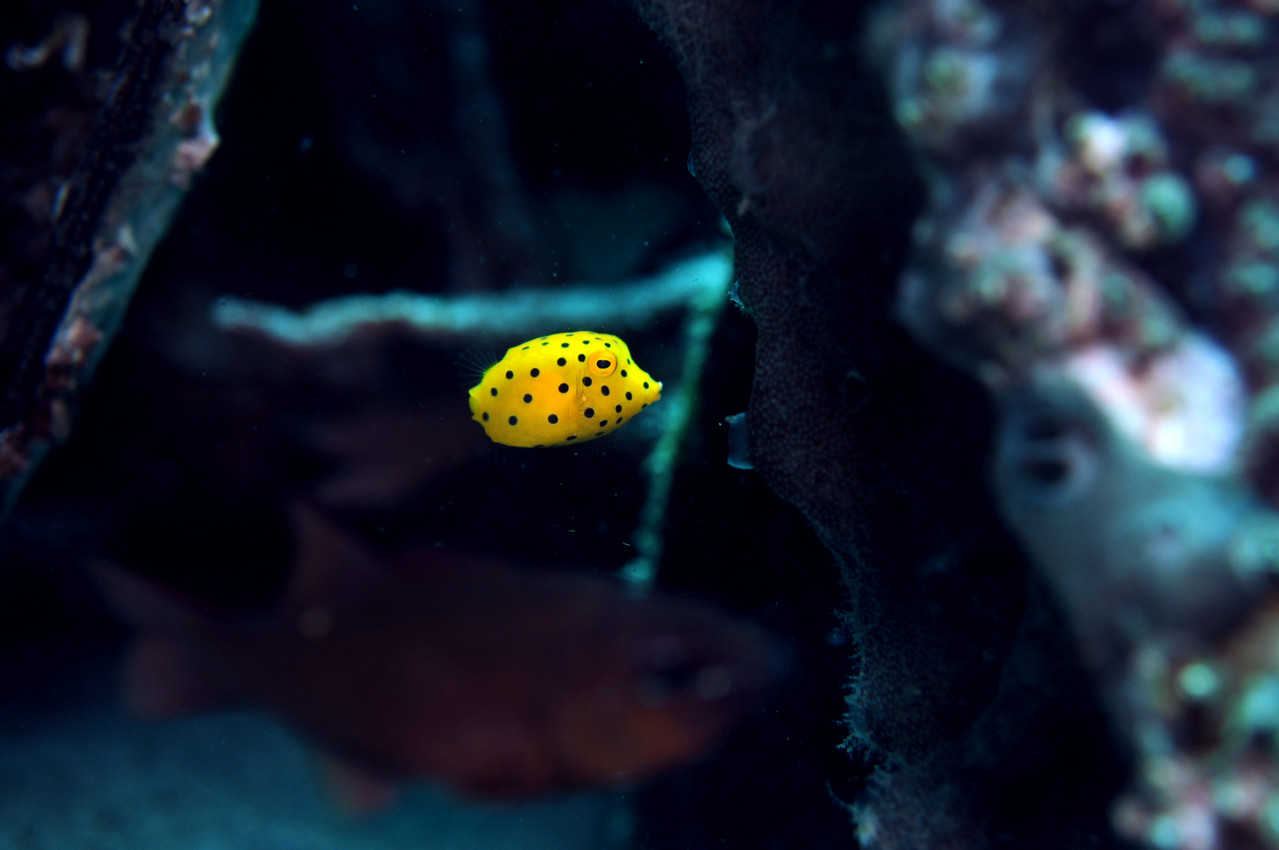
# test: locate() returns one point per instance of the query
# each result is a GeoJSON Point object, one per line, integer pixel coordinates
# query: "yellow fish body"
{"type": "Point", "coordinates": [560, 389]}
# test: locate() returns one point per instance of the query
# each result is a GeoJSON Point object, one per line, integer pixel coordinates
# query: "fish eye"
{"type": "Point", "coordinates": [601, 363]}
{"type": "Point", "coordinates": [668, 678]}
{"type": "Point", "coordinates": [675, 675]}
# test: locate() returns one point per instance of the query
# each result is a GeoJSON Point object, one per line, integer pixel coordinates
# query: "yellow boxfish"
{"type": "Point", "coordinates": [557, 389]}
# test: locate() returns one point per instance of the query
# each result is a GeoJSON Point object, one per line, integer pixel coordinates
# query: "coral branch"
{"type": "Point", "coordinates": [704, 310]}
{"type": "Point", "coordinates": [512, 313]}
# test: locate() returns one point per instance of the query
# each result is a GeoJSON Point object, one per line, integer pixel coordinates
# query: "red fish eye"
{"type": "Point", "coordinates": [601, 363]}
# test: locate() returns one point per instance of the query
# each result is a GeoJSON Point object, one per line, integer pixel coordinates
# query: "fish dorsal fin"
{"type": "Point", "coordinates": [329, 565]}
{"type": "Point", "coordinates": [146, 605]}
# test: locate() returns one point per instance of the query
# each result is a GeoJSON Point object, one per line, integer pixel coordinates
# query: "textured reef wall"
{"type": "Point", "coordinates": [878, 444]}
{"type": "Point", "coordinates": [781, 135]}
{"type": "Point", "coordinates": [1098, 250]}
{"type": "Point", "coordinates": [94, 176]}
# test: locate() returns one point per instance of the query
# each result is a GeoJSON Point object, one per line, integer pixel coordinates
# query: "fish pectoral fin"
{"type": "Point", "coordinates": [354, 788]}
{"type": "Point", "coordinates": [163, 680]}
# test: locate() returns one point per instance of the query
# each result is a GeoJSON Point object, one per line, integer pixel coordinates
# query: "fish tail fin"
{"type": "Point", "coordinates": [163, 676]}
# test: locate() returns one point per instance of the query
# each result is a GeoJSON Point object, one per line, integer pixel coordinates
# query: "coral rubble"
{"type": "Point", "coordinates": [1098, 250]}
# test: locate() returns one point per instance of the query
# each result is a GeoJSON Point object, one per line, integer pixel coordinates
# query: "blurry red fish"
{"type": "Point", "coordinates": [493, 680]}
